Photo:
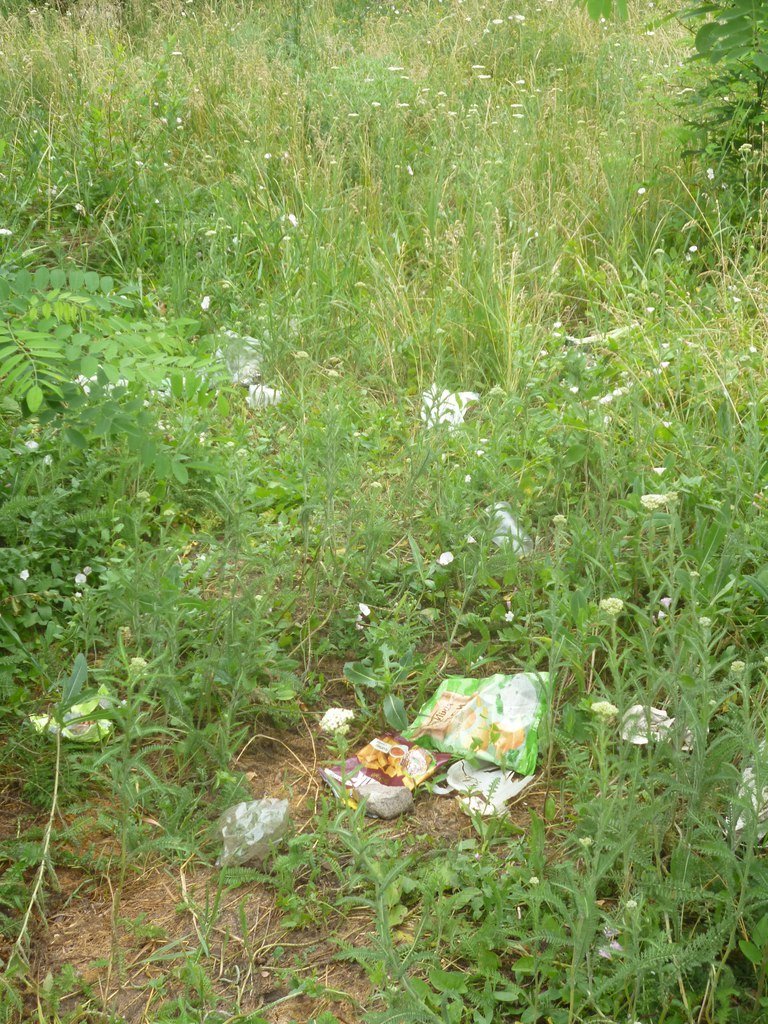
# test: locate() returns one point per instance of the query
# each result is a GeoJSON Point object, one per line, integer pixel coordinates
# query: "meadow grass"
{"type": "Point", "coordinates": [388, 196]}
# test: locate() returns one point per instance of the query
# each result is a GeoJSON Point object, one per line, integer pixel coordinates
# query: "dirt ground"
{"type": "Point", "coordinates": [125, 943]}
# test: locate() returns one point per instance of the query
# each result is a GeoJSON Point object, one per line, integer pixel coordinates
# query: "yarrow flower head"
{"type": "Point", "coordinates": [337, 721]}
{"type": "Point", "coordinates": [604, 709]}
{"type": "Point", "coordinates": [612, 606]}
{"type": "Point", "coordinates": [559, 520]}
{"type": "Point", "coordinates": [445, 559]}
{"type": "Point", "coordinates": [653, 502]}
{"type": "Point", "coordinates": [737, 667]}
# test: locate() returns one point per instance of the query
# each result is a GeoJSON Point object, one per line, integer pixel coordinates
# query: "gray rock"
{"type": "Point", "coordinates": [384, 801]}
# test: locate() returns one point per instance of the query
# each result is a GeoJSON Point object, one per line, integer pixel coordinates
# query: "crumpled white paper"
{"type": "Point", "coordinates": [446, 407]}
{"type": "Point", "coordinates": [640, 725]}
{"type": "Point", "coordinates": [758, 801]}
{"type": "Point", "coordinates": [487, 788]}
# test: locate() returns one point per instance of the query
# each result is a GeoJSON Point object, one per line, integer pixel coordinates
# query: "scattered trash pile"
{"type": "Point", "coordinates": [242, 356]}
{"type": "Point", "coordinates": [488, 727]}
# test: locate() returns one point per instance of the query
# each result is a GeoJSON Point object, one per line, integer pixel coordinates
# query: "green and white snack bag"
{"type": "Point", "coordinates": [494, 719]}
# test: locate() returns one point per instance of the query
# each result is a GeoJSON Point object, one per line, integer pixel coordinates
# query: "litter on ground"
{"type": "Point", "coordinates": [494, 719]}
{"type": "Point", "coordinates": [260, 396]}
{"type": "Point", "coordinates": [446, 407]}
{"type": "Point", "coordinates": [486, 789]}
{"type": "Point", "coordinates": [250, 830]}
{"type": "Point", "coordinates": [78, 722]}
{"type": "Point", "coordinates": [386, 763]}
{"type": "Point", "coordinates": [640, 725]}
{"type": "Point", "coordinates": [507, 530]}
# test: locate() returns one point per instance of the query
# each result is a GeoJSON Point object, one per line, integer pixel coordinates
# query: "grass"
{"type": "Point", "coordinates": [386, 196]}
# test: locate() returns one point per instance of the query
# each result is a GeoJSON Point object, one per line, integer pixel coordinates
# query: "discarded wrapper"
{"type": "Point", "coordinates": [79, 724]}
{"type": "Point", "coordinates": [487, 788]}
{"type": "Point", "coordinates": [386, 762]}
{"type": "Point", "coordinates": [446, 407]}
{"type": "Point", "coordinates": [494, 719]}
{"type": "Point", "coordinates": [250, 830]}
{"type": "Point", "coordinates": [507, 530]}
{"type": "Point", "coordinates": [242, 355]}
{"type": "Point", "coordinates": [642, 724]}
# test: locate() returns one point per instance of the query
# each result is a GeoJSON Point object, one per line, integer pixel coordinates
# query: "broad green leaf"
{"type": "Point", "coordinates": [394, 713]}
{"type": "Point", "coordinates": [361, 675]}
{"type": "Point", "coordinates": [448, 981]}
{"type": "Point", "coordinates": [72, 686]}
{"type": "Point", "coordinates": [34, 398]}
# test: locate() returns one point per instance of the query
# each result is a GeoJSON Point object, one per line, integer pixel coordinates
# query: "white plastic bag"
{"type": "Point", "coordinates": [446, 407]}
{"type": "Point", "coordinates": [507, 530]}
{"type": "Point", "coordinates": [251, 829]}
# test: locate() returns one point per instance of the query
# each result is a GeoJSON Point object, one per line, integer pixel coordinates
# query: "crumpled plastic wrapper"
{"type": "Point", "coordinates": [79, 724]}
{"type": "Point", "coordinates": [447, 407]}
{"type": "Point", "coordinates": [250, 830]}
{"type": "Point", "coordinates": [642, 724]}
{"type": "Point", "coordinates": [758, 801]}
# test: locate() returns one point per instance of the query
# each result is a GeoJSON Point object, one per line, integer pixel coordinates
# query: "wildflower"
{"type": "Point", "coordinates": [641, 191]}
{"type": "Point", "coordinates": [24, 575]}
{"type": "Point", "coordinates": [206, 303]}
{"type": "Point", "coordinates": [612, 606]}
{"type": "Point", "coordinates": [31, 446]}
{"type": "Point", "coordinates": [48, 460]}
{"type": "Point", "coordinates": [653, 502]}
{"type": "Point", "coordinates": [737, 667]}
{"type": "Point", "coordinates": [604, 709]}
{"type": "Point", "coordinates": [586, 842]}
{"type": "Point", "coordinates": [710, 174]}
{"type": "Point", "coordinates": [292, 219]}
{"type": "Point", "coordinates": [136, 666]}
{"type": "Point", "coordinates": [471, 539]}
{"type": "Point", "coordinates": [5, 232]}
{"type": "Point", "coordinates": [364, 610]}
{"type": "Point", "coordinates": [445, 559]}
{"type": "Point", "coordinates": [559, 520]}
{"type": "Point", "coordinates": [705, 622]}
{"type": "Point", "coordinates": [693, 248]}
{"type": "Point", "coordinates": [337, 721]}
{"type": "Point", "coordinates": [467, 479]}
{"type": "Point", "coordinates": [301, 354]}
{"type": "Point", "coordinates": [533, 880]}
{"type": "Point", "coordinates": [80, 579]}
{"type": "Point", "coordinates": [631, 904]}
{"type": "Point", "coordinates": [509, 616]}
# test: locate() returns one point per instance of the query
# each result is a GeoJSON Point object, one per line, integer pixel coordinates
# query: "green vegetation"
{"type": "Point", "coordinates": [386, 196]}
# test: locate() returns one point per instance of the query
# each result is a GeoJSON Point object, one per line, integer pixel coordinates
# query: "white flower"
{"type": "Point", "coordinates": [533, 880]}
{"type": "Point", "coordinates": [467, 479]}
{"type": "Point", "coordinates": [612, 606]}
{"type": "Point", "coordinates": [364, 610]}
{"type": "Point", "coordinates": [87, 570]}
{"type": "Point", "coordinates": [205, 305]}
{"type": "Point", "coordinates": [471, 539]}
{"type": "Point", "coordinates": [80, 579]}
{"type": "Point", "coordinates": [31, 445]}
{"type": "Point", "coordinates": [737, 667]}
{"type": "Point", "coordinates": [509, 616]}
{"type": "Point", "coordinates": [586, 842]}
{"type": "Point", "coordinates": [559, 520]}
{"type": "Point", "coordinates": [5, 232]}
{"type": "Point", "coordinates": [710, 174]}
{"type": "Point", "coordinates": [445, 559]}
{"type": "Point", "coordinates": [652, 502]}
{"type": "Point", "coordinates": [24, 575]}
{"type": "Point", "coordinates": [705, 622]}
{"type": "Point", "coordinates": [604, 709]}
{"type": "Point", "coordinates": [631, 904]}
{"type": "Point", "coordinates": [337, 721]}
{"type": "Point", "coordinates": [48, 460]}
{"type": "Point", "coordinates": [292, 219]}
{"type": "Point", "coordinates": [641, 191]}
